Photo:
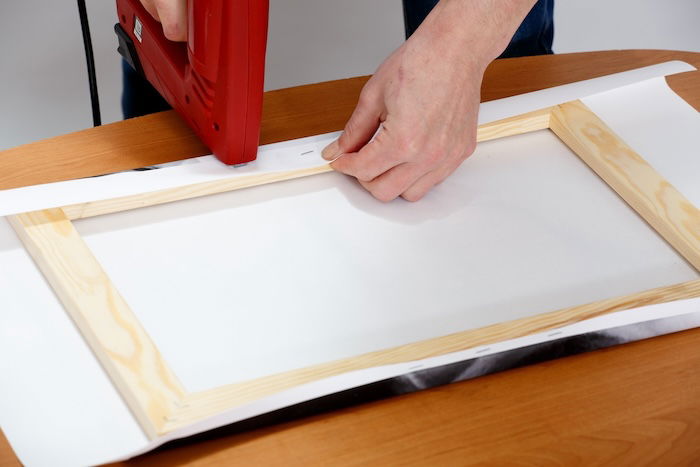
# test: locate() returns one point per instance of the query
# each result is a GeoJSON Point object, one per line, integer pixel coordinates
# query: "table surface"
{"type": "Point", "coordinates": [633, 404]}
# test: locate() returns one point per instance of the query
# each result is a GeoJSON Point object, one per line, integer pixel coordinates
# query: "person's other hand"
{"type": "Point", "coordinates": [172, 14]}
{"type": "Point", "coordinates": [424, 99]}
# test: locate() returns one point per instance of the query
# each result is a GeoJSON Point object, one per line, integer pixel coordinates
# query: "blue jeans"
{"type": "Point", "coordinates": [138, 96]}
{"type": "Point", "coordinates": [534, 37]}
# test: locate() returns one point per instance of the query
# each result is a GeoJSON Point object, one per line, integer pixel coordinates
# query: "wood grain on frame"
{"type": "Point", "coordinates": [516, 419]}
{"type": "Point", "coordinates": [532, 121]}
{"type": "Point", "coordinates": [159, 402]}
{"type": "Point", "coordinates": [197, 406]}
{"type": "Point", "coordinates": [112, 331]}
{"type": "Point", "coordinates": [297, 112]}
{"type": "Point", "coordinates": [147, 384]}
{"type": "Point", "coordinates": [675, 218]}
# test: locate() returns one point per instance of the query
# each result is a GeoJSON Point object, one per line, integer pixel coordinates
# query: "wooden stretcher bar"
{"type": "Point", "coordinates": [159, 401]}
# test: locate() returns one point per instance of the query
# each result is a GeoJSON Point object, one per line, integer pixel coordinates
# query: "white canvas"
{"type": "Point", "coordinates": [57, 407]}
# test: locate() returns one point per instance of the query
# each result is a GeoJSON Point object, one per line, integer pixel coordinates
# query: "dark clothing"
{"type": "Point", "coordinates": [138, 96]}
{"type": "Point", "coordinates": [534, 37]}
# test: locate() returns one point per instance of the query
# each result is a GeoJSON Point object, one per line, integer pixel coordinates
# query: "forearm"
{"type": "Point", "coordinates": [474, 30]}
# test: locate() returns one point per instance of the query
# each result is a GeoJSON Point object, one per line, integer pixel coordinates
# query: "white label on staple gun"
{"type": "Point", "coordinates": [138, 27]}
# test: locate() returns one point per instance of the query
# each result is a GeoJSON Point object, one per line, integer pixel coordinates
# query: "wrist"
{"type": "Point", "coordinates": [477, 31]}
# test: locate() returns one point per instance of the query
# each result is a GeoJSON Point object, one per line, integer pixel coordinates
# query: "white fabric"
{"type": "Point", "coordinates": [57, 407]}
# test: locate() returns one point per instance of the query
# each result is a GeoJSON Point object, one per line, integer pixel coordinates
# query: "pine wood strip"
{"type": "Point", "coordinates": [592, 389]}
{"type": "Point", "coordinates": [516, 125]}
{"type": "Point", "coordinates": [203, 404]}
{"type": "Point", "coordinates": [432, 425]}
{"type": "Point", "coordinates": [112, 331]}
{"type": "Point", "coordinates": [163, 137]}
{"type": "Point", "coordinates": [633, 404]}
{"type": "Point", "coordinates": [537, 120]}
{"type": "Point", "coordinates": [674, 217]}
{"type": "Point", "coordinates": [109, 206]}
{"type": "Point", "coordinates": [297, 112]}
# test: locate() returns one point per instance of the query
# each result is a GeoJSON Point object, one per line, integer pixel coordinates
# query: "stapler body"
{"type": "Point", "coordinates": [215, 79]}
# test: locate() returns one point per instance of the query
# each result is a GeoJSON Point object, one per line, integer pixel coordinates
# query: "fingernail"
{"type": "Point", "coordinates": [332, 151]}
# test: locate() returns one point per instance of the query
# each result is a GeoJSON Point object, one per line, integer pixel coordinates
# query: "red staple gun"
{"type": "Point", "coordinates": [215, 80]}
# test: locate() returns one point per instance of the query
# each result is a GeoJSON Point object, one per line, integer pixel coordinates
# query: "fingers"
{"type": "Point", "coordinates": [408, 180]}
{"type": "Point", "coordinates": [367, 164]}
{"type": "Point", "coordinates": [151, 8]}
{"type": "Point", "coordinates": [428, 127]}
{"type": "Point", "coordinates": [388, 172]}
{"type": "Point", "coordinates": [392, 183]}
{"type": "Point", "coordinates": [172, 14]}
{"type": "Point", "coordinates": [360, 128]}
{"type": "Point", "coordinates": [173, 17]}
{"type": "Point", "coordinates": [425, 183]}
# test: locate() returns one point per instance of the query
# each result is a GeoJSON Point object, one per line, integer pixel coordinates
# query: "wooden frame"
{"type": "Point", "coordinates": [151, 389]}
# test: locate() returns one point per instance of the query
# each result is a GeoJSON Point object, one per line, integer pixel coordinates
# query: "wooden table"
{"type": "Point", "coordinates": [633, 404]}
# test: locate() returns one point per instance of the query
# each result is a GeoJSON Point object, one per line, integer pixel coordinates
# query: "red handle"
{"type": "Point", "coordinates": [215, 81]}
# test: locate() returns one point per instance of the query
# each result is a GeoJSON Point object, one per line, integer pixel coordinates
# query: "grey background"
{"type": "Point", "coordinates": [44, 90]}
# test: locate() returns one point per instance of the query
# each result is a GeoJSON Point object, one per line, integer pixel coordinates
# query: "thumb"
{"type": "Point", "coordinates": [363, 124]}
{"type": "Point", "coordinates": [172, 14]}
{"type": "Point", "coordinates": [151, 9]}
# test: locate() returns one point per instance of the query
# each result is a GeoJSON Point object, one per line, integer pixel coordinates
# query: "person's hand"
{"type": "Point", "coordinates": [424, 99]}
{"type": "Point", "coordinates": [172, 14]}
